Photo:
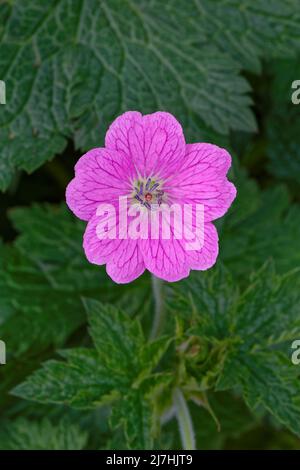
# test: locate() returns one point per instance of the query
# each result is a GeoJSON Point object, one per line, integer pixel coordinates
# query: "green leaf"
{"type": "Point", "coordinates": [117, 340]}
{"type": "Point", "coordinates": [135, 413]}
{"type": "Point", "coordinates": [47, 263]}
{"type": "Point", "coordinates": [23, 434]}
{"type": "Point", "coordinates": [118, 370]}
{"type": "Point", "coordinates": [233, 416]}
{"type": "Point", "coordinates": [270, 228]}
{"type": "Point", "coordinates": [267, 380]}
{"type": "Point", "coordinates": [82, 382]}
{"type": "Point", "coordinates": [207, 298]}
{"type": "Point", "coordinates": [267, 316]}
{"type": "Point", "coordinates": [267, 312]}
{"type": "Point", "coordinates": [241, 339]}
{"type": "Point", "coordinates": [68, 76]}
{"type": "Point", "coordinates": [249, 31]}
{"type": "Point", "coordinates": [42, 278]}
{"type": "Point", "coordinates": [154, 351]}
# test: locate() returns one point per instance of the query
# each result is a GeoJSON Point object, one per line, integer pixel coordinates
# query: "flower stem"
{"type": "Point", "coordinates": [184, 421]}
{"type": "Point", "coordinates": [157, 287]}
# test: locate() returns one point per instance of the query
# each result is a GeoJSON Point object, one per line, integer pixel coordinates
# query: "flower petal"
{"type": "Point", "coordinates": [171, 259]}
{"type": "Point", "coordinates": [127, 264]}
{"type": "Point", "coordinates": [202, 180]}
{"type": "Point", "coordinates": [123, 258]}
{"type": "Point", "coordinates": [101, 175]}
{"type": "Point", "coordinates": [166, 259]}
{"type": "Point", "coordinates": [205, 257]}
{"type": "Point", "coordinates": [155, 142]}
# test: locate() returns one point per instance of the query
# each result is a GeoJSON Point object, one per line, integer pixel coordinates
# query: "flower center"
{"type": "Point", "coordinates": [148, 193]}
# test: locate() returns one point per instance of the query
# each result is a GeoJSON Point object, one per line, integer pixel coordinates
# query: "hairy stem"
{"type": "Point", "coordinates": [157, 287]}
{"type": "Point", "coordinates": [184, 421]}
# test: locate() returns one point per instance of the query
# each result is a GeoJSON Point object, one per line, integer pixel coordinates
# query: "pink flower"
{"type": "Point", "coordinates": [147, 160]}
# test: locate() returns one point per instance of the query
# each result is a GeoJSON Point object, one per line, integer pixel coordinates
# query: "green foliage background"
{"type": "Point", "coordinates": [81, 372]}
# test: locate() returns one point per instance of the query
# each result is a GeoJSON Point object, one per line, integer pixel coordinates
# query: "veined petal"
{"type": "Point", "coordinates": [101, 176]}
{"type": "Point", "coordinates": [123, 259]}
{"type": "Point", "coordinates": [166, 259]}
{"type": "Point", "coordinates": [171, 259]}
{"type": "Point", "coordinates": [202, 179]}
{"type": "Point", "coordinates": [205, 257]}
{"type": "Point", "coordinates": [155, 142]}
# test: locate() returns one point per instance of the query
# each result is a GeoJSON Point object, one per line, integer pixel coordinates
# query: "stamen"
{"type": "Point", "coordinates": [148, 193]}
{"type": "Point", "coordinates": [154, 187]}
{"type": "Point", "coordinates": [138, 198]}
